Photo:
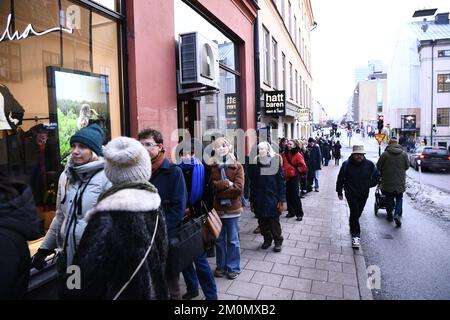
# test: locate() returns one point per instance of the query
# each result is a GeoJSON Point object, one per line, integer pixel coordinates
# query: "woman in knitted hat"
{"type": "Point", "coordinates": [227, 177]}
{"type": "Point", "coordinates": [82, 181]}
{"type": "Point", "coordinates": [123, 252]}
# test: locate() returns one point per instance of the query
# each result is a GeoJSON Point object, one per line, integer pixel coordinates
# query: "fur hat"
{"type": "Point", "coordinates": [91, 136]}
{"type": "Point", "coordinates": [126, 160]}
{"type": "Point", "coordinates": [358, 149]}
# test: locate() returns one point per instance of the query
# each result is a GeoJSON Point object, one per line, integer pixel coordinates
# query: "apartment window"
{"type": "Point", "coordinates": [295, 30]}
{"type": "Point", "coordinates": [299, 39]}
{"type": "Point", "coordinates": [444, 82]}
{"type": "Point", "coordinates": [301, 95]}
{"type": "Point", "coordinates": [291, 82]}
{"type": "Point", "coordinates": [266, 58]}
{"type": "Point", "coordinates": [283, 62]}
{"type": "Point", "coordinates": [443, 117]}
{"type": "Point", "coordinates": [290, 17]}
{"type": "Point", "coordinates": [303, 48]}
{"type": "Point", "coordinates": [283, 12]}
{"type": "Point", "coordinates": [443, 53]}
{"type": "Point", "coordinates": [274, 64]}
{"type": "Point", "coordinates": [10, 62]}
{"type": "Point", "coordinates": [304, 93]}
{"type": "Point", "coordinates": [296, 86]}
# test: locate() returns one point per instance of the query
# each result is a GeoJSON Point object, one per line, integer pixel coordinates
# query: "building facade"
{"type": "Point", "coordinates": [285, 64]}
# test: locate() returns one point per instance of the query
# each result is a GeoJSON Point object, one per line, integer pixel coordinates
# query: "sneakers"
{"type": "Point", "coordinates": [398, 221]}
{"type": "Point", "coordinates": [232, 275]}
{"type": "Point", "coordinates": [277, 248]}
{"type": "Point", "coordinates": [257, 230]}
{"type": "Point", "coordinates": [189, 295]}
{"type": "Point", "coordinates": [355, 243]}
{"type": "Point", "coordinates": [218, 273]}
{"type": "Point", "coordinates": [266, 245]}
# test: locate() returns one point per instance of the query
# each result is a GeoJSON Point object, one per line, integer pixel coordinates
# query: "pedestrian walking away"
{"type": "Point", "coordinates": [337, 152]}
{"type": "Point", "coordinates": [356, 176]}
{"type": "Point", "coordinates": [169, 181]}
{"type": "Point", "coordinates": [82, 181]}
{"type": "Point", "coordinates": [392, 165]}
{"type": "Point", "coordinates": [315, 160]}
{"type": "Point", "coordinates": [19, 223]}
{"type": "Point", "coordinates": [268, 194]}
{"type": "Point", "coordinates": [293, 166]}
{"type": "Point", "coordinates": [123, 251]}
{"type": "Point", "coordinates": [227, 182]}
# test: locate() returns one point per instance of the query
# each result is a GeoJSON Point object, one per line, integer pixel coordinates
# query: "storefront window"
{"type": "Point", "coordinates": [218, 111]}
{"type": "Point", "coordinates": [44, 81]}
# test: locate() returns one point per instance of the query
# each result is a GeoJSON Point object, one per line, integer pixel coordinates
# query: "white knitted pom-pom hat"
{"type": "Point", "coordinates": [126, 160]}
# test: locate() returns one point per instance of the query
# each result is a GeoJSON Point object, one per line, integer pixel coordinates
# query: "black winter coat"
{"type": "Point", "coordinates": [118, 234]}
{"type": "Point", "coordinates": [356, 178]}
{"type": "Point", "coordinates": [315, 158]}
{"type": "Point", "coordinates": [18, 223]}
{"type": "Point", "coordinates": [266, 190]}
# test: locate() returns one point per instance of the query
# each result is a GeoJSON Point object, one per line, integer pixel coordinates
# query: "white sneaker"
{"type": "Point", "coordinates": [355, 243]}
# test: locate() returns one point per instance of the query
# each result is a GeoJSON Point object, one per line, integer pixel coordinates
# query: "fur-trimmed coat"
{"type": "Point", "coordinates": [115, 241]}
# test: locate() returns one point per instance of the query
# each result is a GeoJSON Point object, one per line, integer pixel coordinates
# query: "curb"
{"type": "Point", "coordinates": [361, 271]}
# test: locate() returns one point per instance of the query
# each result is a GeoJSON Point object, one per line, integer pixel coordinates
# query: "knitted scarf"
{"type": "Point", "coordinates": [140, 185]}
{"type": "Point", "coordinates": [157, 162]}
{"type": "Point", "coordinates": [198, 178]}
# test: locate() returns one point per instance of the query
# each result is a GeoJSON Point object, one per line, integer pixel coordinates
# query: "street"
{"type": "Point", "coordinates": [414, 260]}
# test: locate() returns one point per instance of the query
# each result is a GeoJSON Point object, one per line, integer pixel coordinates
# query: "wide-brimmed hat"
{"type": "Point", "coordinates": [358, 149]}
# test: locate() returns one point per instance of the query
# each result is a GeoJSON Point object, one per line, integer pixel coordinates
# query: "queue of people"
{"type": "Point", "coordinates": [118, 206]}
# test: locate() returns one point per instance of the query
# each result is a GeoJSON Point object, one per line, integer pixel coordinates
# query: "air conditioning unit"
{"type": "Point", "coordinates": [199, 62]}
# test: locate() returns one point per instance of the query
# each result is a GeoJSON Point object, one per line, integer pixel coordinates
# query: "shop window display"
{"type": "Point", "coordinates": [36, 123]}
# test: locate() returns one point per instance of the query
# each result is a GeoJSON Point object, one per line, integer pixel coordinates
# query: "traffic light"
{"type": "Point", "coordinates": [434, 128]}
{"type": "Point", "coordinates": [380, 123]}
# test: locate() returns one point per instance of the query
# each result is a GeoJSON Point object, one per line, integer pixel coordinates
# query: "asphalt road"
{"type": "Point", "coordinates": [415, 259]}
{"type": "Point", "coordinates": [439, 179]}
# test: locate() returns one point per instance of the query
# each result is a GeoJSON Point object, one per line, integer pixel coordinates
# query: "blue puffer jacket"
{"type": "Point", "coordinates": [266, 190]}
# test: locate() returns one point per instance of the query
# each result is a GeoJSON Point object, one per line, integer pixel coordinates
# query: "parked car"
{"type": "Point", "coordinates": [430, 158]}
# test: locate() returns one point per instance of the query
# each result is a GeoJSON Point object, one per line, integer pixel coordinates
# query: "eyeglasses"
{"type": "Point", "coordinates": [149, 144]}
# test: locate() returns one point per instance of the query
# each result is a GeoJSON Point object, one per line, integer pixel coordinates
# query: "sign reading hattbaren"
{"type": "Point", "coordinates": [275, 103]}
{"type": "Point", "coordinates": [231, 110]}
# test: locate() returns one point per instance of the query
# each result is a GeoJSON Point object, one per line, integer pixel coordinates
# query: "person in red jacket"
{"type": "Point", "coordinates": [293, 166]}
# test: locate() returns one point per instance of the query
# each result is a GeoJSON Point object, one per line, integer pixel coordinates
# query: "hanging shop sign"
{"type": "Point", "coordinates": [275, 103]}
{"type": "Point", "coordinates": [16, 35]}
{"type": "Point", "coordinates": [303, 115]}
{"type": "Point", "coordinates": [231, 110]}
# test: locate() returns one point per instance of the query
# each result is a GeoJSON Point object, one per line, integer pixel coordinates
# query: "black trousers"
{"type": "Point", "coordinates": [294, 203]}
{"type": "Point", "coordinates": [356, 205]}
{"type": "Point", "coordinates": [271, 230]}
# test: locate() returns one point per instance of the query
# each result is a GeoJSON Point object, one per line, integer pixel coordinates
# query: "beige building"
{"type": "Point", "coordinates": [285, 64]}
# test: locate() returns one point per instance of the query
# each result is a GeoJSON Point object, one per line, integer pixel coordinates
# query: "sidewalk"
{"type": "Point", "coordinates": [317, 261]}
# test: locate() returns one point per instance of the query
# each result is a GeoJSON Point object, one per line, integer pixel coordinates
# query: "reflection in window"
{"type": "Point", "coordinates": [443, 83]}
{"type": "Point", "coordinates": [10, 62]}
{"type": "Point", "coordinates": [443, 117]}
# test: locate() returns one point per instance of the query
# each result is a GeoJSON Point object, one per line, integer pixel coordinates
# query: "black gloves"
{"type": "Point", "coordinates": [38, 260]}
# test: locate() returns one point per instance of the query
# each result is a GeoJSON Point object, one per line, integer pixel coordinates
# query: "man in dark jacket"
{"type": "Point", "coordinates": [315, 162]}
{"type": "Point", "coordinates": [392, 165]}
{"type": "Point", "coordinates": [356, 177]}
{"type": "Point", "coordinates": [169, 181]}
{"type": "Point", "coordinates": [18, 224]}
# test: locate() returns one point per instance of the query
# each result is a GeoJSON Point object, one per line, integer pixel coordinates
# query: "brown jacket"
{"type": "Point", "coordinates": [235, 174]}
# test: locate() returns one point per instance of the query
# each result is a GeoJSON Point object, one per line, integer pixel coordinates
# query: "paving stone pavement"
{"type": "Point", "coordinates": [317, 261]}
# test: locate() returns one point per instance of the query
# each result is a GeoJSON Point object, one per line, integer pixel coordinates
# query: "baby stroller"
{"type": "Point", "coordinates": [380, 200]}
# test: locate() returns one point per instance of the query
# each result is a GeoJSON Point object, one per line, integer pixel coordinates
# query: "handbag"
{"type": "Point", "coordinates": [212, 225]}
{"type": "Point", "coordinates": [187, 245]}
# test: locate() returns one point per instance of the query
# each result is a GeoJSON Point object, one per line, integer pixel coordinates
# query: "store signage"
{"type": "Point", "coordinates": [408, 122]}
{"type": "Point", "coordinates": [275, 103]}
{"type": "Point", "coordinates": [16, 35]}
{"type": "Point", "coordinates": [231, 110]}
{"type": "Point", "coordinates": [303, 115]}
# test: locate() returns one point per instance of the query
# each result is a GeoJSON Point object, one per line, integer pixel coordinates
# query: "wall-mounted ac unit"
{"type": "Point", "coordinates": [199, 62]}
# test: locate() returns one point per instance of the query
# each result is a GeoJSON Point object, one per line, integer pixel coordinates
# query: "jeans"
{"type": "Point", "coordinates": [201, 273]}
{"type": "Point", "coordinates": [228, 246]}
{"type": "Point", "coordinates": [316, 179]}
{"type": "Point", "coordinates": [394, 201]}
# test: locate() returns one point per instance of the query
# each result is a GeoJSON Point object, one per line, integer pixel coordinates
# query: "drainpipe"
{"type": "Point", "coordinates": [433, 43]}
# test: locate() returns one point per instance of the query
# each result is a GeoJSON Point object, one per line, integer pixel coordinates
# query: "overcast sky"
{"type": "Point", "coordinates": [351, 33]}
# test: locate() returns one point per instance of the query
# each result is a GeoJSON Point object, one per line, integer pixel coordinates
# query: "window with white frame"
{"type": "Point", "coordinates": [283, 12]}
{"type": "Point", "coordinates": [291, 82]}
{"type": "Point", "coordinates": [266, 57]}
{"type": "Point", "coordinates": [295, 30]}
{"type": "Point", "coordinates": [290, 17]}
{"type": "Point", "coordinates": [296, 86]}
{"type": "Point", "coordinates": [443, 53]}
{"type": "Point", "coordinates": [301, 95]}
{"type": "Point", "coordinates": [274, 63]}
{"type": "Point", "coordinates": [442, 117]}
{"type": "Point", "coordinates": [443, 82]}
